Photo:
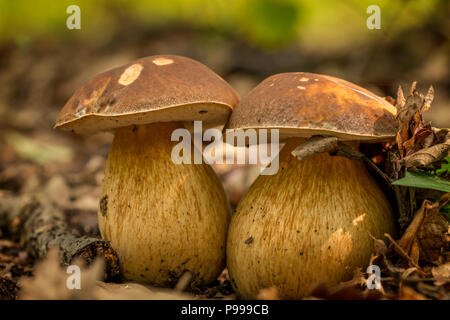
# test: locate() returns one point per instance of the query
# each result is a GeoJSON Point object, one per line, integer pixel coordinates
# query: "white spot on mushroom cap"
{"type": "Point", "coordinates": [161, 61]}
{"type": "Point", "coordinates": [130, 74]}
{"type": "Point", "coordinates": [81, 111]}
{"type": "Point", "coordinates": [304, 79]}
{"type": "Point", "coordinates": [316, 79]}
{"type": "Point", "coordinates": [301, 88]}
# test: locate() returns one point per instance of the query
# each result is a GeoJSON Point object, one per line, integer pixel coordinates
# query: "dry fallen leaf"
{"type": "Point", "coordinates": [431, 235]}
{"type": "Point", "coordinates": [408, 272]}
{"type": "Point", "coordinates": [50, 283]}
{"type": "Point", "coordinates": [441, 274]}
{"type": "Point", "coordinates": [414, 137]}
{"type": "Point", "coordinates": [50, 280]}
{"type": "Point", "coordinates": [424, 157]}
{"type": "Point", "coordinates": [424, 239]}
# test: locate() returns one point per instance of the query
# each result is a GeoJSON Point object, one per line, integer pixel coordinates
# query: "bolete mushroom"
{"type": "Point", "coordinates": [312, 221]}
{"type": "Point", "coordinates": [162, 218]}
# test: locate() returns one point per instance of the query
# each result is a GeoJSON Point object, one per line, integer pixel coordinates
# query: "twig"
{"type": "Point", "coordinates": [315, 144]}
{"type": "Point", "coordinates": [400, 251]}
{"type": "Point", "coordinates": [319, 144]}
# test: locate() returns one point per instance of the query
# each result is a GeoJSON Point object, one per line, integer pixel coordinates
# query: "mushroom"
{"type": "Point", "coordinates": [313, 221]}
{"type": "Point", "coordinates": [164, 219]}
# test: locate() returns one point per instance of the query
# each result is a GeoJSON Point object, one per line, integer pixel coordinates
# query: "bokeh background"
{"type": "Point", "coordinates": [42, 63]}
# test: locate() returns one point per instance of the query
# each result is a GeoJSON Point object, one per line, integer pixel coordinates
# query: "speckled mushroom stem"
{"type": "Point", "coordinates": [162, 218]}
{"type": "Point", "coordinates": [309, 223]}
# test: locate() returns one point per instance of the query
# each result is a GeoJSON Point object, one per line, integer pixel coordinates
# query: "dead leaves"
{"type": "Point", "coordinates": [424, 157]}
{"type": "Point", "coordinates": [425, 237]}
{"type": "Point", "coordinates": [409, 118]}
{"type": "Point", "coordinates": [50, 282]}
{"type": "Point", "coordinates": [441, 274]}
{"type": "Point", "coordinates": [354, 289]}
{"type": "Point", "coordinates": [14, 263]}
{"type": "Point", "coordinates": [416, 266]}
{"type": "Point", "coordinates": [432, 237]}
{"type": "Point", "coordinates": [405, 255]}
{"type": "Point", "coordinates": [418, 143]}
{"type": "Point", "coordinates": [418, 258]}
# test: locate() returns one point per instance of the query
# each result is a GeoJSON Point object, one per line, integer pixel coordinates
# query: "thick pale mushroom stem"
{"type": "Point", "coordinates": [309, 223]}
{"type": "Point", "coordinates": [162, 218]}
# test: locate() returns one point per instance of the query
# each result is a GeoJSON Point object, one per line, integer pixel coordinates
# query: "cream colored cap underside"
{"type": "Point", "coordinates": [211, 114]}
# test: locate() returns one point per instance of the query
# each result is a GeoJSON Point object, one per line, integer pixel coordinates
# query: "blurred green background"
{"type": "Point", "coordinates": [266, 23]}
{"type": "Point", "coordinates": [42, 62]}
{"type": "Point", "coordinates": [253, 37]}
{"type": "Point", "coordinates": [243, 40]}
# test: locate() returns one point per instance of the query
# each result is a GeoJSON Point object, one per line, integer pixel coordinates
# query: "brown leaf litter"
{"type": "Point", "coordinates": [50, 283]}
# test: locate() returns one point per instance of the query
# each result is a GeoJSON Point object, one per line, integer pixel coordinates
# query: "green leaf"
{"type": "Point", "coordinates": [423, 180]}
{"type": "Point", "coordinates": [445, 167]}
{"type": "Point", "coordinates": [445, 209]}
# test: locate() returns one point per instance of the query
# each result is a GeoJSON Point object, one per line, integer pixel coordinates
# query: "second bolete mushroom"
{"type": "Point", "coordinates": [313, 220]}
{"type": "Point", "coordinates": [162, 218]}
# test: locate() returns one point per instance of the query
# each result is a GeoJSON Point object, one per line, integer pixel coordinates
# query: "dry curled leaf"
{"type": "Point", "coordinates": [432, 236]}
{"type": "Point", "coordinates": [380, 247]}
{"type": "Point", "coordinates": [409, 236]}
{"type": "Point", "coordinates": [412, 132]}
{"type": "Point", "coordinates": [50, 282]}
{"type": "Point", "coordinates": [405, 274]}
{"type": "Point", "coordinates": [441, 274]}
{"type": "Point", "coordinates": [400, 102]}
{"type": "Point", "coordinates": [425, 157]}
{"type": "Point", "coordinates": [424, 239]}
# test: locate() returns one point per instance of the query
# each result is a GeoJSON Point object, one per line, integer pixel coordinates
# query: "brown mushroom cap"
{"type": "Point", "coordinates": [159, 88]}
{"type": "Point", "coordinates": [302, 104]}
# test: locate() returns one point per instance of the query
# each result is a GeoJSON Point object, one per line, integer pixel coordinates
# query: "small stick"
{"type": "Point", "coordinates": [315, 144]}
{"type": "Point", "coordinates": [404, 254]}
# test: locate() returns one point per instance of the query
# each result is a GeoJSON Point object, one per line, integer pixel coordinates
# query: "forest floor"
{"type": "Point", "coordinates": [67, 170]}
